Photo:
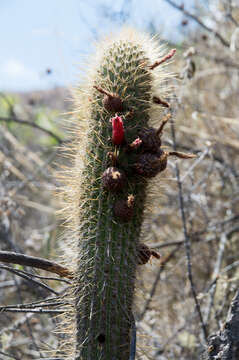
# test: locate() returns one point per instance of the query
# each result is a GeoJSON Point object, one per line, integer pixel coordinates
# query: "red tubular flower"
{"type": "Point", "coordinates": [117, 130]}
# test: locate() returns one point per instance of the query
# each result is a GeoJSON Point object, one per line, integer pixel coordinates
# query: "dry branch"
{"type": "Point", "coordinates": [47, 265]}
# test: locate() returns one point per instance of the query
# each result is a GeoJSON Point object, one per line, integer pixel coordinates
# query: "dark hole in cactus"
{"type": "Point", "coordinates": [101, 338]}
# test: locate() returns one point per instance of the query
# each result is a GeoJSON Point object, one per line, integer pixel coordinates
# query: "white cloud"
{"type": "Point", "coordinates": [15, 75]}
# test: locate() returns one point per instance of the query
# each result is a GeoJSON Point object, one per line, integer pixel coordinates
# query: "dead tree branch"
{"type": "Point", "coordinates": [32, 124]}
{"type": "Point", "coordinates": [26, 260]}
{"type": "Point", "coordinates": [199, 22]}
{"type": "Point", "coordinates": [187, 240]}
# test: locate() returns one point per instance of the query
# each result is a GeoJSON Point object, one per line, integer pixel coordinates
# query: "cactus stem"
{"type": "Point", "coordinates": [159, 101]}
{"type": "Point", "coordinates": [165, 58]}
{"type": "Point", "coordinates": [108, 189]}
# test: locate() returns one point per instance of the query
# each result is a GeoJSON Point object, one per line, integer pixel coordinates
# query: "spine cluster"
{"type": "Point", "coordinates": [122, 153]}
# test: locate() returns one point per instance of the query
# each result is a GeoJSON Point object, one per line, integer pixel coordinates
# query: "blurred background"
{"type": "Point", "coordinates": [52, 38]}
{"type": "Point", "coordinates": [185, 297]}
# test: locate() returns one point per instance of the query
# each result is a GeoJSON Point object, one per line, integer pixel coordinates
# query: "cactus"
{"type": "Point", "coordinates": [108, 185]}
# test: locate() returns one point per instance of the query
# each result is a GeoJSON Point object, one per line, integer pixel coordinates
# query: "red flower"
{"type": "Point", "coordinates": [117, 130]}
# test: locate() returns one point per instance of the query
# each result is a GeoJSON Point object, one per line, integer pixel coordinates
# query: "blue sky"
{"type": "Point", "coordinates": [57, 34]}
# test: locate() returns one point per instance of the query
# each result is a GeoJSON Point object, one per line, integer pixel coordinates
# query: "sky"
{"type": "Point", "coordinates": [56, 35]}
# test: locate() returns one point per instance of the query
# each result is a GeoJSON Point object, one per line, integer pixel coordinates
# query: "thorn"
{"type": "Point", "coordinates": [159, 101]}
{"type": "Point", "coordinates": [165, 58]}
{"type": "Point", "coordinates": [164, 122]}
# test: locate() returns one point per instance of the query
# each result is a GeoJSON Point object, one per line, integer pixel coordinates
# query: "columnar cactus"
{"type": "Point", "coordinates": [116, 153]}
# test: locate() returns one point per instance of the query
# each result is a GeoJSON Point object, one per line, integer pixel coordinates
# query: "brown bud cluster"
{"type": "Point", "coordinates": [148, 159]}
{"type": "Point", "coordinates": [152, 159]}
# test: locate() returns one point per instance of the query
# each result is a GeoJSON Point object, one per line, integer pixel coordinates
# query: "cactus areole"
{"type": "Point", "coordinates": [108, 193]}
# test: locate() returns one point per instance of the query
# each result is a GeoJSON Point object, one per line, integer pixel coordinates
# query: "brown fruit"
{"type": "Point", "coordinates": [113, 103]}
{"type": "Point", "coordinates": [150, 140]}
{"type": "Point", "coordinates": [149, 165]}
{"type": "Point", "coordinates": [113, 179]}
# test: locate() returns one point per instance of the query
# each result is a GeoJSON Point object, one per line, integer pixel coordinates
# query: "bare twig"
{"type": "Point", "coordinates": [37, 311]}
{"type": "Point", "coordinates": [187, 239]}
{"type": "Point", "coordinates": [157, 278]}
{"type": "Point", "coordinates": [199, 22]}
{"type": "Point", "coordinates": [32, 124]}
{"type": "Point", "coordinates": [29, 278]}
{"type": "Point", "coordinates": [215, 275]}
{"type": "Point", "coordinates": [219, 60]}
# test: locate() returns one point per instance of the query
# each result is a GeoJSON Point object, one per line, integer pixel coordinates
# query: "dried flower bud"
{"type": "Point", "coordinates": [144, 254]}
{"type": "Point", "coordinates": [113, 179]}
{"type": "Point", "coordinates": [113, 103]}
{"type": "Point", "coordinates": [150, 137]}
{"type": "Point", "coordinates": [117, 130]}
{"type": "Point", "coordinates": [124, 209]}
{"type": "Point", "coordinates": [149, 165]}
{"type": "Point", "coordinates": [150, 140]}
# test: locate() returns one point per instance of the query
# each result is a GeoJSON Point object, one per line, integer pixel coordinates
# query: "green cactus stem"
{"type": "Point", "coordinates": [107, 196]}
